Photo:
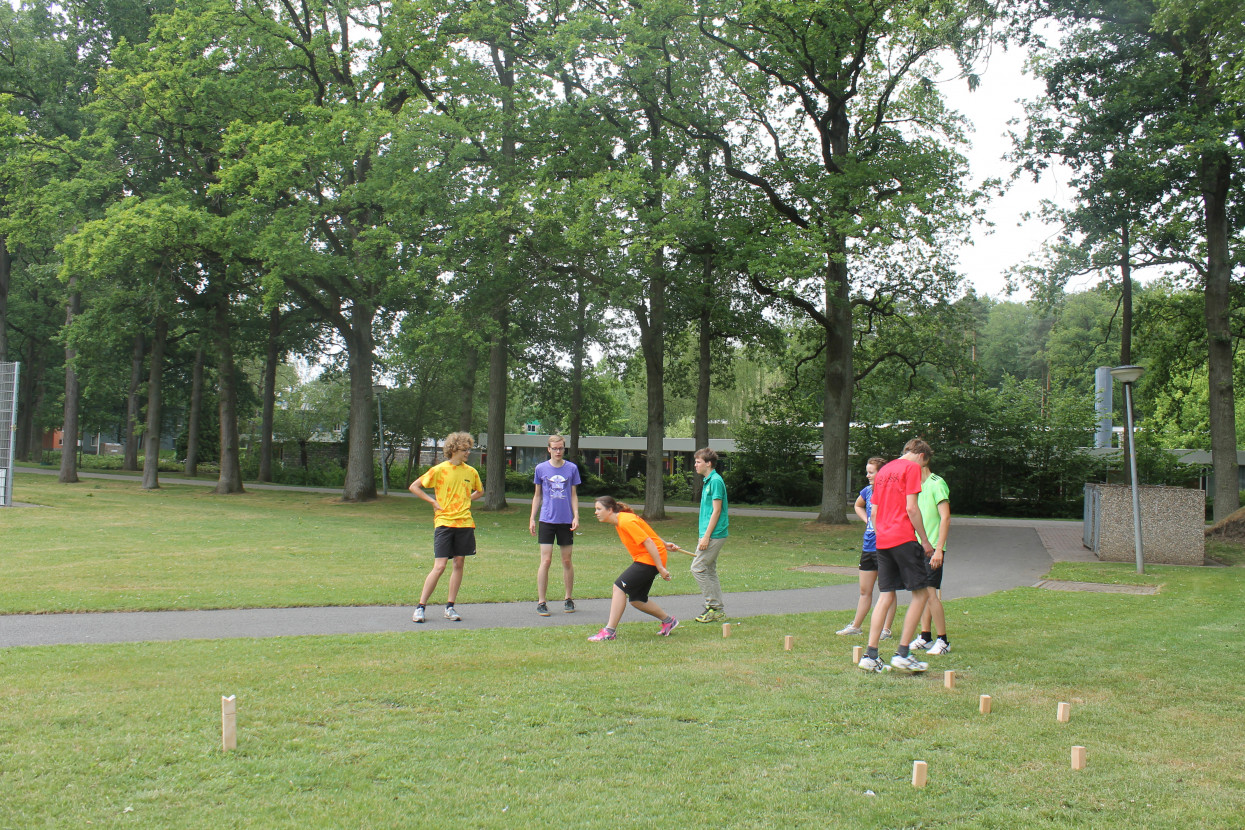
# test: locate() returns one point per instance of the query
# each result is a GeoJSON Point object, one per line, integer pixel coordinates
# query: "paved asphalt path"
{"type": "Point", "coordinates": [985, 556]}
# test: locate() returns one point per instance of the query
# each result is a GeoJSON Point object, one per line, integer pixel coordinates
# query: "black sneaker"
{"type": "Point", "coordinates": [542, 609]}
{"type": "Point", "coordinates": [569, 606]}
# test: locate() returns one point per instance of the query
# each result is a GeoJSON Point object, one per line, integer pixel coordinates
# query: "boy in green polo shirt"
{"type": "Point", "coordinates": [713, 532]}
{"type": "Point", "coordinates": [935, 503]}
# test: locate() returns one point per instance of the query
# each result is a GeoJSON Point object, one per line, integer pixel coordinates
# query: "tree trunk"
{"type": "Point", "coordinates": [360, 484]}
{"type": "Point", "coordinates": [230, 480]}
{"type": "Point", "coordinates": [498, 373]}
{"type": "Point", "coordinates": [837, 403]}
{"type": "Point", "coordinates": [704, 368]}
{"type": "Point", "coordinates": [270, 394]}
{"type": "Point", "coordinates": [1216, 180]}
{"type": "Point", "coordinates": [151, 441]}
{"type": "Point", "coordinates": [130, 460]}
{"type": "Point", "coordinates": [653, 339]}
{"type": "Point", "coordinates": [196, 406]}
{"type": "Point", "coordinates": [69, 435]}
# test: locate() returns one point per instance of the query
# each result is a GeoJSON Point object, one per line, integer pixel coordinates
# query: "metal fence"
{"type": "Point", "coordinates": [8, 429]}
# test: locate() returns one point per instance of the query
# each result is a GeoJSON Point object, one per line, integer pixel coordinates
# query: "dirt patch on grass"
{"type": "Point", "coordinates": [1096, 587]}
{"type": "Point", "coordinates": [1231, 529]}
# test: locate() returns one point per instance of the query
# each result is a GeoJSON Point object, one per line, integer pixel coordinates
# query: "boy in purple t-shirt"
{"type": "Point", "coordinates": [556, 504]}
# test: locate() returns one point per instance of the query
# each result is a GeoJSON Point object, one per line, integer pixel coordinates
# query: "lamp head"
{"type": "Point", "coordinates": [1128, 374]}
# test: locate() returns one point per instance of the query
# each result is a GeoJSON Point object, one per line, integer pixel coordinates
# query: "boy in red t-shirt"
{"type": "Point", "coordinates": [902, 562]}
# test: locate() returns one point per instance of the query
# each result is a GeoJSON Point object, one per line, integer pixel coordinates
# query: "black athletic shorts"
{"type": "Point", "coordinates": [935, 574]}
{"type": "Point", "coordinates": [637, 581]}
{"type": "Point", "coordinates": [547, 533]}
{"type": "Point", "coordinates": [868, 560]}
{"type": "Point", "coordinates": [452, 542]}
{"type": "Point", "coordinates": [903, 567]}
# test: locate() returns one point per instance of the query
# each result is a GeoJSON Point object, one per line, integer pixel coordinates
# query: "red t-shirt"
{"type": "Point", "coordinates": [891, 488]}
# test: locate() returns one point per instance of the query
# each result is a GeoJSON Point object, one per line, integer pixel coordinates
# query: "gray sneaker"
{"type": "Point", "coordinates": [568, 607]}
{"type": "Point", "coordinates": [542, 609]}
{"type": "Point", "coordinates": [909, 663]}
{"type": "Point", "coordinates": [886, 634]}
{"type": "Point", "coordinates": [451, 614]}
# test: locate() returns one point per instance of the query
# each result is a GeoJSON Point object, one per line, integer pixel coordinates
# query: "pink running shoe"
{"type": "Point", "coordinates": [666, 628]}
{"type": "Point", "coordinates": [603, 634]}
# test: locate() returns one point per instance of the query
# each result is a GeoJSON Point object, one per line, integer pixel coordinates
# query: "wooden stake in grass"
{"type": "Point", "coordinates": [726, 629]}
{"type": "Point", "coordinates": [1078, 757]}
{"type": "Point", "coordinates": [985, 704]}
{"type": "Point", "coordinates": [857, 653]}
{"type": "Point", "coordinates": [787, 642]}
{"type": "Point", "coordinates": [1064, 712]}
{"type": "Point", "coordinates": [948, 679]}
{"type": "Point", "coordinates": [920, 771]}
{"type": "Point", "coordinates": [229, 722]}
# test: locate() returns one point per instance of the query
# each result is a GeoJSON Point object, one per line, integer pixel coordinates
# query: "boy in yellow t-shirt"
{"type": "Point", "coordinates": [456, 485]}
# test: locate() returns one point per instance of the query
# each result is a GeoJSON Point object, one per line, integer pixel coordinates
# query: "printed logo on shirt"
{"type": "Point", "coordinates": [557, 486]}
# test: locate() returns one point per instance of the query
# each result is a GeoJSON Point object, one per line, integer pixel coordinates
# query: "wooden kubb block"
{"type": "Point", "coordinates": [1078, 757]}
{"type": "Point", "coordinates": [985, 704]}
{"type": "Point", "coordinates": [787, 642]}
{"type": "Point", "coordinates": [726, 629]}
{"type": "Point", "coordinates": [857, 653]}
{"type": "Point", "coordinates": [229, 722]}
{"type": "Point", "coordinates": [1064, 712]}
{"type": "Point", "coordinates": [920, 773]}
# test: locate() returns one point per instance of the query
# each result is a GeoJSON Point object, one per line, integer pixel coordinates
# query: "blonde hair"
{"type": "Point", "coordinates": [456, 441]}
{"type": "Point", "coordinates": [876, 461]}
{"type": "Point", "coordinates": [556, 438]}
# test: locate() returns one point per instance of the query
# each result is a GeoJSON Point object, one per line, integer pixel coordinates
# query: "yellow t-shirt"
{"type": "Point", "coordinates": [633, 530]}
{"type": "Point", "coordinates": [453, 485]}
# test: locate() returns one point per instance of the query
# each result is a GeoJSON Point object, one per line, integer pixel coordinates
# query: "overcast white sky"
{"type": "Point", "coordinates": [990, 107]}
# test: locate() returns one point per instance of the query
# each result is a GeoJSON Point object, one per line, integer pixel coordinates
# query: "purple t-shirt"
{"type": "Point", "coordinates": [555, 491]}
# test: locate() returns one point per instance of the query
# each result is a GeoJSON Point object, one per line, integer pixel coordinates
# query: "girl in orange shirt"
{"type": "Point", "coordinates": [648, 554]}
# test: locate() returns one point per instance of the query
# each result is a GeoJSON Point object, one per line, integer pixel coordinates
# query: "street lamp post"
{"type": "Point", "coordinates": [1128, 375]}
{"type": "Point", "coordinates": [377, 389]}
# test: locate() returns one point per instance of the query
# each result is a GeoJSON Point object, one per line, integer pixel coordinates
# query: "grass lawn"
{"type": "Point", "coordinates": [515, 728]}
{"type": "Point", "coordinates": [540, 728]}
{"type": "Point", "coordinates": [103, 545]}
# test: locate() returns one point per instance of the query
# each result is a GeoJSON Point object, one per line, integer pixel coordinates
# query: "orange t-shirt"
{"type": "Point", "coordinates": [633, 530]}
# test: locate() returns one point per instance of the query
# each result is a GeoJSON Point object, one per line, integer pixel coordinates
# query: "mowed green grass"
{"type": "Point", "coordinates": [102, 545]}
{"type": "Point", "coordinates": [540, 728]}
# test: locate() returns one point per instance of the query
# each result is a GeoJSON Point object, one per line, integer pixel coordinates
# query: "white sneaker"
{"type": "Point", "coordinates": [451, 614]}
{"type": "Point", "coordinates": [886, 634]}
{"type": "Point", "coordinates": [848, 631]}
{"type": "Point", "coordinates": [940, 646]}
{"type": "Point", "coordinates": [919, 643]}
{"type": "Point", "coordinates": [908, 663]}
{"type": "Point", "coordinates": [872, 664]}
{"type": "Point", "coordinates": [418, 616]}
